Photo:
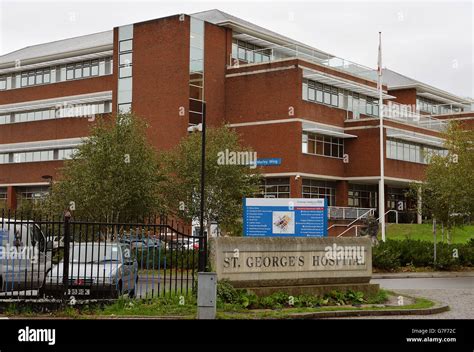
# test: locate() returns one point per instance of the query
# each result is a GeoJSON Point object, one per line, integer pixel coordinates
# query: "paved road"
{"type": "Point", "coordinates": [457, 292]}
{"type": "Point", "coordinates": [426, 283]}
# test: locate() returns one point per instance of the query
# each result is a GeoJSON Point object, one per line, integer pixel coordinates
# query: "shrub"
{"type": "Point", "coordinates": [386, 256]}
{"type": "Point", "coordinates": [226, 293]}
{"type": "Point", "coordinates": [242, 298]}
{"type": "Point", "coordinates": [393, 254]}
{"type": "Point", "coordinates": [155, 258]}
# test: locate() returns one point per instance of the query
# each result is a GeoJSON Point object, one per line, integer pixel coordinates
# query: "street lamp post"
{"type": "Point", "coordinates": [202, 239]}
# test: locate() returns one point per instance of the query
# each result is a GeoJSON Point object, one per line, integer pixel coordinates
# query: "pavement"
{"type": "Point", "coordinates": [434, 274]}
{"type": "Point", "coordinates": [456, 289]}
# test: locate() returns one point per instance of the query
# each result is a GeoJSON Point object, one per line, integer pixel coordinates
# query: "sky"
{"type": "Point", "coordinates": [431, 41]}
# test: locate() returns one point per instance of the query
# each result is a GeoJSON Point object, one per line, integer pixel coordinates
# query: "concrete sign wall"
{"type": "Point", "coordinates": [273, 261]}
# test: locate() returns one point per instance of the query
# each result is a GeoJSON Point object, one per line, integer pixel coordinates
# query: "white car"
{"type": "Point", "coordinates": [99, 270]}
{"type": "Point", "coordinates": [25, 257]}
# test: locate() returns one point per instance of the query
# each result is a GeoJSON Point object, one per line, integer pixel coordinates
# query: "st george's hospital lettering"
{"type": "Point", "coordinates": [288, 261]}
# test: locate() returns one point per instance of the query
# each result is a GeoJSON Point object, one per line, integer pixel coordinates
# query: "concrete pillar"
{"type": "Point", "coordinates": [342, 193]}
{"type": "Point", "coordinates": [419, 215]}
{"type": "Point", "coordinates": [11, 198]}
{"type": "Point", "coordinates": [296, 187]}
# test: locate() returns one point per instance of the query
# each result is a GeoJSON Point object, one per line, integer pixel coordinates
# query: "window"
{"type": "Point", "coordinates": [125, 71]}
{"type": "Point", "coordinates": [126, 45]}
{"type": "Point", "coordinates": [3, 83]}
{"type": "Point", "coordinates": [3, 198]}
{"type": "Point", "coordinates": [125, 108]}
{"type": "Point", "coordinates": [125, 59]}
{"type": "Point", "coordinates": [4, 119]}
{"type": "Point", "coordinates": [276, 187]}
{"type": "Point", "coordinates": [39, 77]}
{"type": "Point", "coordinates": [312, 91]}
{"type": "Point", "coordinates": [31, 194]}
{"type": "Point", "coordinates": [305, 90]}
{"type": "Point", "coordinates": [53, 74]}
{"type": "Point", "coordinates": [412, 152]}
{"type": "Point", "coordinates": [362, 196]}
{"type": "Point", "coordinates": [323, 145]}
{"type": "Point", "coordinates": [64, 154]}
{"type": "Point", "coordinates": [334, 96]}
{"type": "Point", "coordinates": [70, 72]}
{"type": "Point", "coordinates": [31, 78]}
{"type": "Point", "coordinates": [320, 189]}
{"type": "Point", "coordinates": [24, 79]}
{"type": "Point", "coordinates": [95, 68]}
{"type": "Point", "coordinates": [249, 53]}
{"type": "Point", "coordinates": [4, 158]}
{"type": "Point", "coordinates": [329, 95]}
{"type": "Point", "coordinates": [26, 157]}
{"type": "Point", "coordinates": [80, 110]}
{"type": "Point", "coordinates": [86, 69]}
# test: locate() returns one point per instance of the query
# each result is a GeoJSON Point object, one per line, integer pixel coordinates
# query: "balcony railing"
{"type": "Point", "coordinates": [279, 52]}
{"type": "Point", "coordinates": [349, 213]}
{"type": "Point", "coordinates": [406, 114]}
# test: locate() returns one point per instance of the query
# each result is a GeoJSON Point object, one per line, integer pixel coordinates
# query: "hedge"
{"type": "Point", "coordinates": [393, 254]}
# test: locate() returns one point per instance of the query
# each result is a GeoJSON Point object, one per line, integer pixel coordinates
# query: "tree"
{"type": "Point", "coordinates": [226, 184]}
{"type": "Point", "coordinates": [447, 192]}
{"type": "Point", "coordinates": [113, 176]}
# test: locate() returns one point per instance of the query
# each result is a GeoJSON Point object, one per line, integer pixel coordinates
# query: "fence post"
{"type": "Point", "coordinates": [67, 230]}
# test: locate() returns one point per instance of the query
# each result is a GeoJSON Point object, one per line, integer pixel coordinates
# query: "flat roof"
{"type": "Point", "coordinates": [60, 48]}
{"type": "Point", "coordinates": [395, 80]}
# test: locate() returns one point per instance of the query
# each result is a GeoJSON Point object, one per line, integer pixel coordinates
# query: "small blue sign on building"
{"type": "Point", "coordinates": [269, 162]}
{"type": "Point", "coordinates": [285, 217]}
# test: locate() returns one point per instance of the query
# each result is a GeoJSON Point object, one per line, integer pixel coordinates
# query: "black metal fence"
{"type": "Point", "coordinates": [64, 258]}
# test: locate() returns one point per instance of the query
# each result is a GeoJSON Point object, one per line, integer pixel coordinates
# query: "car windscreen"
{"type": "Point", "coordinates": [97, 253]}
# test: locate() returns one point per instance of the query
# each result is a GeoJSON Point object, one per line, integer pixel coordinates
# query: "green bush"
{"type": "Point", "coordinates": [386, 256]}
{"type": "Point", "coordinates": [242, 298]}
{"type": "Point", "coordinates": [155, 258]}
{"type": "Point", "coordinates": [393, 254]}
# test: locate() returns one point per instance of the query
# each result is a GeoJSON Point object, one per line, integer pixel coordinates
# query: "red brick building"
{"type": "Point", "coordinates": [315, 114]}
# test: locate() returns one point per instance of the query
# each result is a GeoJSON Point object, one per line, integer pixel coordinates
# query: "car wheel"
{"type": "Point", "coordinates": [132, 293]}
{"type": "Point", "coordinates": [118, 291]}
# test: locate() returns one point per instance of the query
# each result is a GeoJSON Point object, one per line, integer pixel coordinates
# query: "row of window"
{"type": "Point", "coordinates": [323, 145]}
{"type": "Point", "coordinates": [362, 196]}
{"type": "Point", "coordinates": [249, 53]}
{"type": "Point", "coordinates": [359, 195]}
{"type": "Point", "coordinates": [196, 72]}
{"type": "Point", "coordinates": [320, 189]}
{"type": "Point", "coordinates": [81, 110]}
{"type": "Point", "coordinates": [329, 95]}
{"type": "Point", "coordinates": [434, 107]}
{"type": "Point", "coordinates": [53, 74]}
{"type": "Point", "coordinates": [125, 66]}
{"type": "Point", "coordinates": [34, 156]}
{"type": "Point", "coordinates": [413, 152]}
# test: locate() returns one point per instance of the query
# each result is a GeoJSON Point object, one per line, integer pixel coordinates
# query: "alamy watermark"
{"type": "Point", "coordinates": [12, 252]}
{"type": "Point", "coordinates": [346, 253]}
{"type": "Point", "coordinates": [245, 158]}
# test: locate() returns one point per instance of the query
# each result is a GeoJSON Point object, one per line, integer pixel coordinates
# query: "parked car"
{"type": "Point", "coordinates": [141, 243]}
{"type": "Point", "coordinates": [185, 243]}
{"type": "Point", "coordinates": [25, 256]}
{"type": "Point", "coordinates": [96, 270]}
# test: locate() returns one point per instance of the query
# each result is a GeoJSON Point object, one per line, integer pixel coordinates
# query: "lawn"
{"type": "Point", "coordinates": [425, 232]}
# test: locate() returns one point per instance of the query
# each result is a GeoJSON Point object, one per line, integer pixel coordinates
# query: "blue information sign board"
{"type": "Point", "coordinates": [285, 217]}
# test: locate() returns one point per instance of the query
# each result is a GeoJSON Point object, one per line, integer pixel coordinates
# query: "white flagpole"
{"type": "Point", "coordinates": [382, 154]}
